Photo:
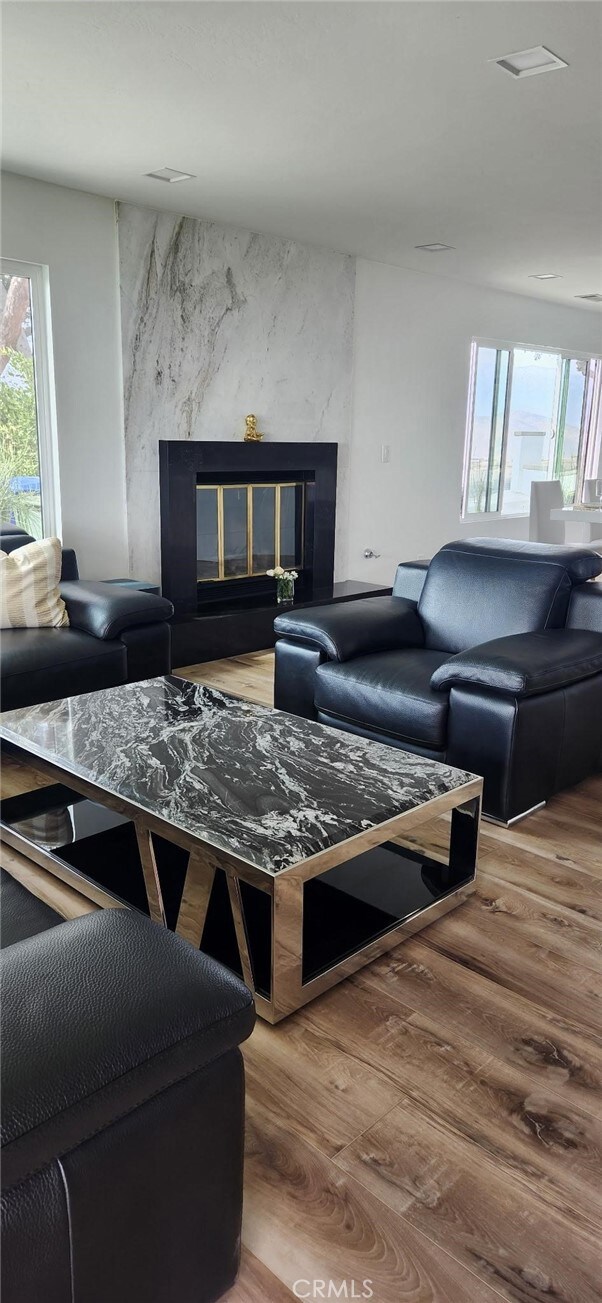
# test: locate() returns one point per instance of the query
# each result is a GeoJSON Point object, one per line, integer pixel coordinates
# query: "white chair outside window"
{"type": "Point", "coordinates": [546, 495]}
{"type": "Point", "coordinates": [591, 494]}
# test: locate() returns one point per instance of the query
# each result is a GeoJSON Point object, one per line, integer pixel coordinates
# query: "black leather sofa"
{"type": "Point", "coordinates": [489, 658]}
{"type": "Point", "coordinates": [122, 1110]}
{"type": "Point", "coordinates": [115, 635]}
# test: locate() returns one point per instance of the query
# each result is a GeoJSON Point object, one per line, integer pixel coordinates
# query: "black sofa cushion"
{"type": "Point", "coordinates": [21, 914]}
{"type": "Point", "coordinates": [389, 692]}
{"type": "Point", "coordinates": [525, 664]}
{"type": "Point", "coordinates": [480, 589]}
{"type": "Point", "coordinates": [105, 610]}
{"type": "Point", "coordinates": [43, 664]}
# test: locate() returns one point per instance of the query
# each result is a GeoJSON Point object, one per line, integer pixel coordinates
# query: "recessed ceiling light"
{"type": "Point", "coordinates": [526, 63]}
{"type": "Point", "coordinates": [170, 175]}
{"type": "Point", "coordinates": [546, 276]}
{"type": "Point", "coordinates": [434, 248]}
{"type": "Point", "coordinates": [591, 298]}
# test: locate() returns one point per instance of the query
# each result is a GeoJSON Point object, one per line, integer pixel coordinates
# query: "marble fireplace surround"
{"type": "Point", "coordinates": [183, 464]}
{"type": "Point", "coordinates": [217, 322]}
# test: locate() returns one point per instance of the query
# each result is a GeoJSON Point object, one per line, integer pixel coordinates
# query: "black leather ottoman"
{"type": "Point", "coordinates": [123, 1110]}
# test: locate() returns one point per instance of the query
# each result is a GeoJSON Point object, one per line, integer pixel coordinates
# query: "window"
{"type": "Point", "coordinates": [533, 414]}
{"type": "Point", "coordinates": [28, 459]}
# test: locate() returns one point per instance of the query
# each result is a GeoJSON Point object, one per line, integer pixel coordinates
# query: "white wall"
{"type": "Point", "coordinates": [411, 365]}
{"type": "Point", "coordinates": [74, 234]}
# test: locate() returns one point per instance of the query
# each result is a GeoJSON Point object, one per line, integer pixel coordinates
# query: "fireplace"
{"type": "Point", "coordinates": [242, 530]}
{"type": "Point", "coordinates": [231, 511]}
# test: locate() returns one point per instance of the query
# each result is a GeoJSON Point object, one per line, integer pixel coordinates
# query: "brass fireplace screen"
{"type": "Point", "coordinates": [245, 529]}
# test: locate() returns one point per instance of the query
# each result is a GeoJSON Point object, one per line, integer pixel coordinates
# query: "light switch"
{"type": "Point", "coordinates": [385, 453]}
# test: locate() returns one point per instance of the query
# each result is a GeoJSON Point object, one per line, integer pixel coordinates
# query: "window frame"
{"type": "Point", "coordinates": [587, 445]}
{"type": "Point", "coordinates": [38, 276]}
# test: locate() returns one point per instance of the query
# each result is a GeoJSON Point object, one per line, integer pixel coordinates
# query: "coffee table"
{"type": "Point", "coordinates": [283, 828]}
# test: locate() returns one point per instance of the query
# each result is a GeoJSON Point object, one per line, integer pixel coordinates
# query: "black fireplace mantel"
{"type": "Point", "coordinates": [183, 463]}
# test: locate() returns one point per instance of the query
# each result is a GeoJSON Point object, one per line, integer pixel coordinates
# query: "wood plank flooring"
{"type": "Point", "coordinates": [433, 1125]}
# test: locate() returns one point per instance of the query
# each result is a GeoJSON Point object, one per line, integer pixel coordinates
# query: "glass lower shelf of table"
{"type": "Point", "coordinates": [344, 909]}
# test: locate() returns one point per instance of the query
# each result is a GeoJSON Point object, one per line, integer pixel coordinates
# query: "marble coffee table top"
{"type": "Point", "coordinates": [265, 786]}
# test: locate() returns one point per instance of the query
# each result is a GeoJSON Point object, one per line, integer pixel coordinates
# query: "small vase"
{"type": "Point", "coordinates": [285, 590]}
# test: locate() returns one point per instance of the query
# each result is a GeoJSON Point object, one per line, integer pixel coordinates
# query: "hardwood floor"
{"type": "Point", "coordinates": [249, 676]}
{"type": "Point", "coordinates": [433, 1125]}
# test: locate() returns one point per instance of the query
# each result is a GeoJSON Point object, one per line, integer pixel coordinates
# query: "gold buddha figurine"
{"type": "Point", "coordinates": [252, 434]}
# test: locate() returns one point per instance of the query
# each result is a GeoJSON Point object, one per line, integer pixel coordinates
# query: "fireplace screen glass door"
{"type": "Point", "coordinates": [245, 529]}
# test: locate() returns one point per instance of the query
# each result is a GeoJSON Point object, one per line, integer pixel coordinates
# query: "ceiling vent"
{"type": "Point", "coordinates": [434, 248]}
{"type": "Point", "coordinates": [591, 298]}
{"type": "Point", "coordinates": [526, 63]}
{"type": "Point", "coordinates": [545, 276]}
{"type": "Point", "coordinates": [170, 175]}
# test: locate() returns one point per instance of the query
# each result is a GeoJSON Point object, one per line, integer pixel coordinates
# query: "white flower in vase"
{"type": "Point", "coordinates": [285, 583]}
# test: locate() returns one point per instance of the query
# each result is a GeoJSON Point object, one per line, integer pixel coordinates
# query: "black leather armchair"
{"type": "Point", "coordinates": [489, 657]}
{"type": "Point", "coordinates": [115, 635]}
{"type": "Point", "coordinates": [122, 1110]}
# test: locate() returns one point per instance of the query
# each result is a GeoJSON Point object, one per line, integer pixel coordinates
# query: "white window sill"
{"type": "Point", "coordinates": [493, 515]}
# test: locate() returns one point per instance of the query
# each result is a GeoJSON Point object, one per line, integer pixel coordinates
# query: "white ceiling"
{"type": "Point", "coordinates": [366, 127]}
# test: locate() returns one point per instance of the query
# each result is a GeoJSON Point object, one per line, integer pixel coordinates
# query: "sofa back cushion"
{"type": "Point", "coordinates": [478, 589]}
{"type": "Point", "coordinates": [29, 594]}
{"type": "Point", "coordinates": [585, 610]}
{"type": "Point", "coordinates": [409, 579]}
{"type": "Point", "coordinates": [10, 542]}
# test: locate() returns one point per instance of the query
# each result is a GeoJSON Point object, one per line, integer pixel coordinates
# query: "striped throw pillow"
{"type": "Point", "coordinates": [29, 594]}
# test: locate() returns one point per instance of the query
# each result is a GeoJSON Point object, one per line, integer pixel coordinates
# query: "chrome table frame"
{"type": "Point", "coordinates": [285, 889]}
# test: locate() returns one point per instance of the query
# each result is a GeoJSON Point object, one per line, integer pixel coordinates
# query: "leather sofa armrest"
{"type": "Point", "coordinates": [100, 1015]}
{"type": "Point", "coordinates": [104, 610]}
{"type": "Point", "coordinates": [348, 629]}
{"type": "Point", "coordinates": [525, 664]}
